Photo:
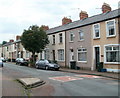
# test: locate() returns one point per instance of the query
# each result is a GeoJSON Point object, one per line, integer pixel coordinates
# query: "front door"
{"type": "Point", "coordinates": [53, 55]}
{"type": "Point", "coordinates": [97, 56]}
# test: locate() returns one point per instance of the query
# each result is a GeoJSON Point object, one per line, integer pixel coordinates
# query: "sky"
{"type": "Point", "coordinates": [17, 15]}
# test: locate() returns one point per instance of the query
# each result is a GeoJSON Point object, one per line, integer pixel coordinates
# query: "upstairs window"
{"type": "Point", "coordinates": [81, 35]}
{"type": "Point", "coordinates": [110, 28]}
{"type": "Point", "coordinates": [53, 39]}
{"type": "Point", "coordinates": [96, 31]}
{"type": "Point", "coordinates": [71, 36]}
{"type": "Point", "coordinates": [60, 38]}
{"type": "Point", "coordinates": [7, 48]}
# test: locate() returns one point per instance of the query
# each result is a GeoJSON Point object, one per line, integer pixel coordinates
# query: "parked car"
{"type": "Point", "coordinates": [21, 61]}
{"type": "Point", "coordinates": [47, 64]}
{"type": "Point", "coordinates": [3, 59]}
{"type": "Point", "coordinates": [1, 63]}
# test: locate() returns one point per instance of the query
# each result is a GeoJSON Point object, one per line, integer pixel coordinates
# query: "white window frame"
{"type": "Point", "coordinates": [105, 54]}
{"type": "Point", "coordinates": [80, 31]}
{"type": "Point", "coordinates": [107, 31]}
{"type": "Point", "coordinates": [94, 37]}
{"type": "Point", "coordinates": [27, 54]}
{"type": "Point", "coordinates": [46, 53]}
{"type": "Point", "coordinates": [62, 55]}
{"type": "Point", "coordinates": [71, 33]}
{"type": "Point", "coordinates": [81, 52]}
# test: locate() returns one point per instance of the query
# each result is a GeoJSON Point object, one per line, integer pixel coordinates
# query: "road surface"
{"type": "Point", "coordinates": [57, 83]}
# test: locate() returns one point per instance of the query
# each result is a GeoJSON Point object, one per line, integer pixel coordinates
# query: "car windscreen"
{"type": "Point", "coordinates": [51, 61]}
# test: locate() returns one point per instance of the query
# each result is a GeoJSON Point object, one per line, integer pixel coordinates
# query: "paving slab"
{"type": "Point", "coordinates": [31, 82]}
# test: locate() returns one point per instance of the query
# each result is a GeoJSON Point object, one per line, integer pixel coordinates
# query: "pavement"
{"type": "Point", "coordinates": [88, 72]}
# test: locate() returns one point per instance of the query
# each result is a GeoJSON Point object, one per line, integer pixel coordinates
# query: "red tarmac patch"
{"type": "Point", "coordinates": [88, 76]}
{"type": "Point", "coordinates": [65, 78]}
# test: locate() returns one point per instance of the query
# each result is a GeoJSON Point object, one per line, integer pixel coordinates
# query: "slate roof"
{"type": "Point", "coordinates": [86, 21]}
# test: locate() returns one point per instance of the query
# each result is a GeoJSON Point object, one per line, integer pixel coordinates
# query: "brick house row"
{"type": "Point", "coordinates": [87, 41]}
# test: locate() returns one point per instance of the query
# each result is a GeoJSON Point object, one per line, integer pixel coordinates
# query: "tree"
{"type": "Point", "coordinates": [4, 42]}
{"type": "Point", "coordinates": [34, 40]}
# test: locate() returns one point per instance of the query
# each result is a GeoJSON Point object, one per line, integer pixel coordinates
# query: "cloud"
{"type": "Point", "coordinates": [17, 15]}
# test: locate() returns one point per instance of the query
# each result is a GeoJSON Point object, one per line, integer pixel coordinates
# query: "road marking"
{"type": "Point", "coordinates": [65, 78]}
{"type": "Point", "coordinates": [113, 83]}
{"type": "Point", "coordinates": [88, 76]}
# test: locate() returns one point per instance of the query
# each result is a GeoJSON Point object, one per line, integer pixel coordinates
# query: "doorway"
{"type": "Point", "coordinates": [71, 55]}
{"type": "Point", "coordinates": [97, 56]}
{"type": "Point", "coordinates": [53, 51]}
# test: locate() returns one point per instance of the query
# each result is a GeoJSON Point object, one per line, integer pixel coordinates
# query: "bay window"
{"type": "Point", "coordinates": [112, 54]}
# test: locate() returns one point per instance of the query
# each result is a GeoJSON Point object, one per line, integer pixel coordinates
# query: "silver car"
{"type": "Point", "coordinates": [1, 63]}
{"type": "Point", "coordinates": [47, 64]}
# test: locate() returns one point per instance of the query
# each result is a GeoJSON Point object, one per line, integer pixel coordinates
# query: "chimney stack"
{"type": "Point", "coordinates": [17, 37]}
{"type": "Point", "coordinates": [106, 8]}
{"type": "Point", "coordinates": [45, 27]}
{"type": "Point", "coordinates": [11, 40]}
{"type": "Point", "coordinates": [83, 15]}
{"type": "Point", "coordinates": [66, 20]}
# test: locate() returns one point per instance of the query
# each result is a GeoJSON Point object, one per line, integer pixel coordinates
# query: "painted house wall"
{"type": "Point", "coordinates": [105, 41]}
{"type": "Point", "coordinates": [6, 52]}
{"type": "Point", "coordinates": [86, 43]}
{"type": "Point", "coordinates": [56, 47]}
{"type": "Point", "coordinates": [1, 51]}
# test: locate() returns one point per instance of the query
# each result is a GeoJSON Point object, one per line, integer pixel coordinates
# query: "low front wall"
{"type": "Point", "coordinates": [84, 66]}
{"type": "Point", "coordinates": [112, 67]}
{"type": "Point", "coordinates": [62, 64]}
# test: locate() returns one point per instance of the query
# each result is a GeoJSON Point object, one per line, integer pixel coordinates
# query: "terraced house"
{"type": "Point", "coordinates": [90, 40]}
{"type": "Point", "coordinates": [14, 49]}
{"type": "Point", "coordinates": [86, 42]}
{"type": "Point", "coordinates": [106, 39]}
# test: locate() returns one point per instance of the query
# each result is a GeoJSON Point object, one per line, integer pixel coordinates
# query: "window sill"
{"type": "Point", "coordinates": [71, 41]}
{"type": "Point", "coordinates": [53, 44]}
{"type": "Point", "coordinates": [60, 43]}
{"type": "Point", "coordinates": [82, 61]}
{"type": "Point", "coordinates": [96, 38]}
{"type": "Point", "coordinates": [111, 62]}
{"type": "Point", "coordinates": [112, 36]}
{"type": "Point", "coordinates": [61, 60]}
{"type": "Point", "coordinates": [81, 40]}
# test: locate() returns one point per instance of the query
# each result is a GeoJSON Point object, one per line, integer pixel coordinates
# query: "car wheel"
{"type": "Point", "coordinates": [37, 66]}
{"type": "Point", "coordinates": [46, 67]}
{"type": "Point", "coordinates": [57, 69]}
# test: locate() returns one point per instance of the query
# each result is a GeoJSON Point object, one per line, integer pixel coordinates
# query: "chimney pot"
{"type": "Point", "coordinates": [17, 37]}
{"type": "Point", "coordinates": [106, 8]}
{"type": "Point", "coordinates": [66, 20]}
{"type": "Point", "coordinates": [83, 14]}
{"type": "Point", "coordinates": [11, 40]}
{"type": "Point", "coordinates": [45, 27]}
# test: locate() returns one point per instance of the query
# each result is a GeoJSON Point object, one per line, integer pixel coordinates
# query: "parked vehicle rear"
{"type": "Point", "coordinates": [1, 63]}
{"type": "Point", "coordinates": [21, 61]}
{"type": "Point", "coordinates": [46, 64]}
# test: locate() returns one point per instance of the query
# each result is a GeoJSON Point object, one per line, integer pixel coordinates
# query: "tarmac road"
{"type": "Point", "coordinates": [57, 83]}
